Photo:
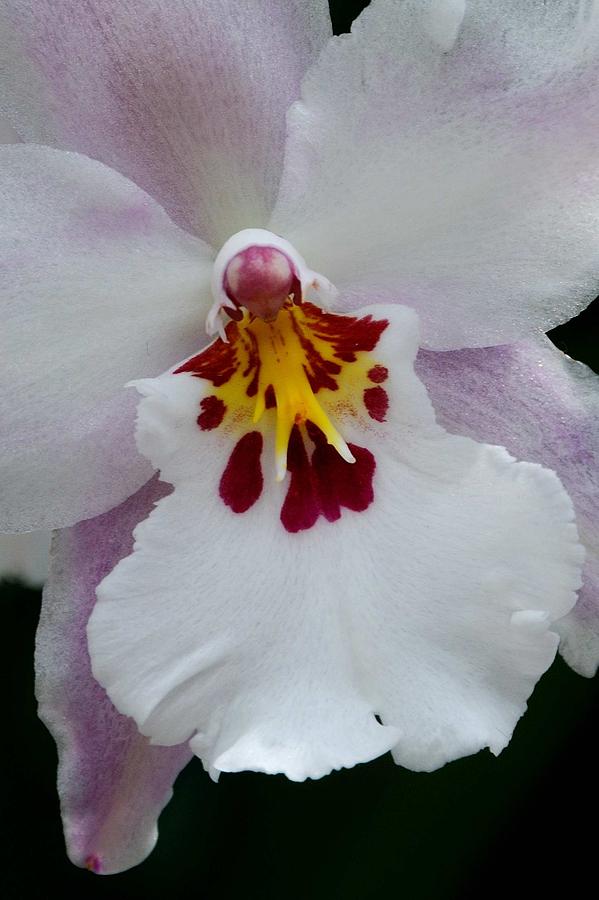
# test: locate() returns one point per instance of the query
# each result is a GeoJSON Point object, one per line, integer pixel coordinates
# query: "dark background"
{"type": "Point", "coordinates": [522, 824]}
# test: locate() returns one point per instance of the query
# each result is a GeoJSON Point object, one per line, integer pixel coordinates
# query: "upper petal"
{"type": "Point", "coordinates": [112, 783]}
{"type": "Point", "coordinates": [543, 407]}
{"type": "Point", "coordinates": [271, 645]}
{"type": "Point", "coordinates": [97, 286]}
{"type": "Point", "coordinates": [451, 164]}
{"type": "Point", "coordinates": [186, 97]}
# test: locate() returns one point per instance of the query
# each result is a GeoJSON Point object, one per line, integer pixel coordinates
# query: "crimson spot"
{"type": "Point", "coordinates": [320, 486]}
{"type": "Point", "coordinates": [213, 411]}
{"type": "Point", "coordinates": [301, 507]}
{"type": "Point", "coordinates": [378, 374]}
{"type": "Point", "coordinates": [376, 402]}
{"type": "Point", "coordinates": [242, 481]}
{"type": "Point", "coordinates": [270, 400]}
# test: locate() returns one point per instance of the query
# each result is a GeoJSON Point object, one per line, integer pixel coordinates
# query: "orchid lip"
{"type": "Point", "coordinates": [298, 380]}
{"type": "Point", "coordinates": [258, 278]}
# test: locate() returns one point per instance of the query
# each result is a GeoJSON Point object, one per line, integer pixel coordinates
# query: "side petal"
{"type": "Point", "coordinates": [97, 286]}
{"type": "Point", "coordinates": [444, 155]}
{"type": "Point", "coordinates": [543, 406]}
{"type": "Point", "coordinates": [185, 97]}
{"type": "Point", "coordinates": [112, 783]}
{"type": "Point", "coordinates": [269, 627]}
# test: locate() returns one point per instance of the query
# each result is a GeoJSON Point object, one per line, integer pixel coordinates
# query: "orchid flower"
{"type": "Point", "coordinates": [333, 563]}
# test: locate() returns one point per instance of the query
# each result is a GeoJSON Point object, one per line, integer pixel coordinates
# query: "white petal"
{"type": "Point", "coordinates": [451, 165]}
{"type": "Point", "coordinates": [185, 97]}
{"type": "Point", "coordinates": [97, 286]}
{"type": "Point", "coordinates": [544, 407]}
{"type": "Point", "coordinates": [7, 133]}
{"type": "Point", "coordinates": [274, 651]}
{"type": "Point", "coordinates": [112, 783]}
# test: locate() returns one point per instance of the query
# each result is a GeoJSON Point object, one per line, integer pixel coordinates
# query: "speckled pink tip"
{"type": "Point", "coordinates": [93, 864]}
{"type": "Point", "coordinates": [260, 279]}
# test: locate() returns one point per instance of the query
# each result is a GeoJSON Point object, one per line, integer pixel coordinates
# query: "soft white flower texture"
{"type": "Point", "coordinates": [442, 20]}
{"type": "Point", "coordinates": [444, 156]}
{"type": "Point", "coordinates": [185, 97]}
{"type": "Point", "coordinates": [493, 238]}
{"type": "Point", "coordinates": [109, 289]}
{"type": "Point", "coordinates": [452, 165]}
{"type": "Point", "coordinates": [274, 651]}
{"type": "Point", "coordinates": [7, 133]}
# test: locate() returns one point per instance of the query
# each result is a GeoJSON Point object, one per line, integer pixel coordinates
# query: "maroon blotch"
{"type": "Point", "coordinates": [218, 362]}
{"type": "Point", "coordinates": [242, 481]}
{"type": "Point", "coordinates": [341, 483]}
{"type": "Point", "coordinates": [378, 374]}
{"type": "Point", "coordinates": [346, 336]}
{"type": "Point", "coordinates": [253, 367]}
{"type": "Point", "coordinates": [212, 414]}
{"type": "Point", "coordinates": [376, 402]}
{"type": "Point", "coordinates": [270, 401]}
{"type": "Point", "coordinates": [322, 485]}
{"type": "Point", "coordinates": [301, 507]}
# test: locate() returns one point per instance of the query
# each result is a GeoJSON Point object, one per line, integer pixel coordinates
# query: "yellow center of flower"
{"type": "Point", "coordinates": [284, 352]}
{"type": "Point", "coordinates": [305, 368]}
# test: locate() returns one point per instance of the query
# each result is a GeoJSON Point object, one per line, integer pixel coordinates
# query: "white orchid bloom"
{"type": "Point", "coordinates": [333, 574]}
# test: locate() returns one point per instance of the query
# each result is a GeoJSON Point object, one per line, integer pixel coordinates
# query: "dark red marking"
{"type": "Point", "coordinates": [270, 401]}
{"type": "Point", "coordinates": [235, 314]}
{"type": "Point", "coordinates": [341, 483]}
{"type": "Point", "coordinates": [376, 401]}
{"type": "Point", "coordinates": [213, 412]}
{"type": "Point", "coordinates": [253, 367]}
{"type": "Point", "coordinates": [218, 362]}
{"type": "Point", "coordinates": [301, 507]}
{"type": "Point", "coordinates": [378, 374]}
{"type": "Point", "coordinates": [346, 335]}
{"type": "Point", "coordinates": [322, 485]}
{"type": "Point", "coordinates": [242, 481]}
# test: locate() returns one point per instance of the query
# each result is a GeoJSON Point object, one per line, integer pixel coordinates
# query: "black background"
{"type": "Point", "coordinates": [522, 824]}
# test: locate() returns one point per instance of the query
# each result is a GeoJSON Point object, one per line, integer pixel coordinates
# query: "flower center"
{"type": "Point", "coordinates": [260, 279]}
{"type": "Point", "coordinates": [284, 365]}
{"type": "Point", "coordinates": [289, 368]}
{"type": "Point", "coordinates": [257, 270]}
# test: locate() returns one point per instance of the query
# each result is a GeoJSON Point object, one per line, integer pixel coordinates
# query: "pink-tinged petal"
{"type": "Point", "coordinates": [185, 97]}
{"type": "Point", "coordinates": [417, 584]}
{"type": "Point", "coordinates": [97, 285]}
{"type": "Point", "coordinates": [544, 407]}
{"type": "Point", "coordinates": [112, 783]}
{"type": "Point", "coordinates": [444, 156]}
